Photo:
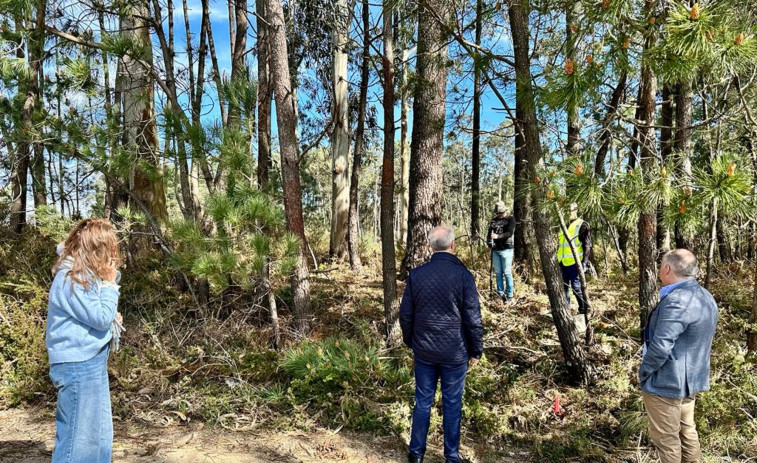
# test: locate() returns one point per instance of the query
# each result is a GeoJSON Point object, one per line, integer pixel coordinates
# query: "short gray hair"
{"type": "Point", "coordinates": [682, 262]}
{"type": "Point", "coordinates": [441, 238]}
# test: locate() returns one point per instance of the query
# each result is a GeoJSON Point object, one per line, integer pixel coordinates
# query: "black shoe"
{"type": "Point", "coordinates": [412, 459]}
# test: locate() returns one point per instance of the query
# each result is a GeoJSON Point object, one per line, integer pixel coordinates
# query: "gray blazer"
{"type": "Point", "coordinates": [679, 337]}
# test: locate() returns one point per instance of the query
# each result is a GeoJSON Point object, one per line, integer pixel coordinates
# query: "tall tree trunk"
{"type": "Point", "coordinates": [353, 237]}
{"type": "Point", "coordinates": [682, 146]}
{"type": "Point", "coordinates": [711, 242]}
{"type": "Point", "coordinates": [264, 101]}
{"type": "Point", "coordinates": [140, 131]}
{"type": "Point", "coordinates": [30, 88]}
{"type": "Point", "coordinates": [404, 153]}
{"type": "Point", "coordinates": [574, 128]}
{"type": "Point", "coordinates": [724, 248]}
{"type": "Point", "coordinates": [666, 149]}
{"type": "Point", "coordinates": [752, 333]}
{"type": "Point", "coordinates": [340, 134]}
{"type": "Point", "coordinates": [575, 358]}
{"type": "Point", "coordinates": [476, 148]}
{"type": "Point", "coordinates": [427, 145]}
{"type": "Point", "coordinates": [286, 119]}
{"type": "Point", "coordinates": [606, 137]}
{"type": "Point", "coordinates": [238, 64]}
{"type": "Point", "coordinates": [647, 225]}
{"type": "Point", "coordinates": [388, 262]}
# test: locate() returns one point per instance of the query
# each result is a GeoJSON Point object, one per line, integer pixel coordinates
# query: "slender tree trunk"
{"type": "Point", "coordinates": [574, 128]}
{"type": "Point", "coordinates": [666, 149]}
{"type": "Point", "coordinates": [682, 146]}
{"type": "Point", "coordinates": [388, 262]}
{"type": "Point", "coordinates": [647, 225]}
{"type": "Point", "coordinates": [30, 88]}
{"type": "Point", "coordinates": [340, 135]}
{"type": "Point", "coordinates": [711, 242]}
{"type": "Point", "coordinates": [290, 162]}
{"type": "Point", "coordinates": [606, 137]}
{"type": "Point", "coordinates": [575, 358]}
{"type": "Point", "coordinates": [353, 237]}
{"type": "Point", "coordinates": [238, 64]}
{"type": "Point", "coordinates": [427, 145]}
{"type": "Point", "coordinates": [264, 101]}
{"type": "Point", "coordinates": [476, 148]}
{"type": "Point", "coordinates": [404, 154]}
{"type": "Point", "coordinates": [724, 248]}
{"type": "Point", "coordinates": [752, 333]}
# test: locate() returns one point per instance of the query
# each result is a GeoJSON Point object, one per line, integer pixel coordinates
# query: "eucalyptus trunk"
{"type": "Point", "coordinates": [340, 134]}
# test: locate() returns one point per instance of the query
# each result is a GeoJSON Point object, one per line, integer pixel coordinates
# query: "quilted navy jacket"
{"type": "Point", "coordinates": [440, 314]}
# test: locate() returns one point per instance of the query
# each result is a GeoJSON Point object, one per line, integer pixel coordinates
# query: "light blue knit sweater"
{"type": "Point", "coordinates": [79, 321]}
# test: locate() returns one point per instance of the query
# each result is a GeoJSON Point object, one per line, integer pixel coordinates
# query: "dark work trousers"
{"type": "Point", "coordinates": [427, 375]}
{"type": "Point", "coordinates": [570, 280]}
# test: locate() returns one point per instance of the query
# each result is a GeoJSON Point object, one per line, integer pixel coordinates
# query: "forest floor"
{"type": "Point", "coordinates": [28, 436]}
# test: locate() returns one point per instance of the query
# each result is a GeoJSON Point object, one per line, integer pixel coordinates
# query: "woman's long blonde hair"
{"type": "Point", "coordinates": [93, 246]}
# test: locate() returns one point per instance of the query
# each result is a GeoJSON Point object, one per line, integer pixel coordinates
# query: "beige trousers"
{"type": "Point", "coordinates": [672, 429]}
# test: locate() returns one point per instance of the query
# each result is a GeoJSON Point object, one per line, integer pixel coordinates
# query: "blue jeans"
{"type": "Point", "coordinates": [453, 383]}
{"type": "Point", "coordinates": [502, 261]}
{"type": "Point", "coordinates": [571, 280]}
{"type": "Point", "coordinates": [83, 419]}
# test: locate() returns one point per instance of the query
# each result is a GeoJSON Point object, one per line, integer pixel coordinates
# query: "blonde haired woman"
{"type": "Point", "coordinates": [82, 320]}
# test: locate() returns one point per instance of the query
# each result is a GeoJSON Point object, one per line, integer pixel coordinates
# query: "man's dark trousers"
{"type": "Point", "coordinates": [571, 279]}
{"type": "Point", "coordinates": [453, 382]}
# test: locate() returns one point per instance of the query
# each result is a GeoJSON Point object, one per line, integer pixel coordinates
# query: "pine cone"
{"type": "Point", "coordinates": [739, 39]}
{"type": "Point", "coordinates": [709, 34]}
{"type": "Point", "coordinates": [579, 170]}
{"type": "Point", "coordinates": [569, 68]}
{"type": "Point", "coordinates": [731, 169]}
{"type": "Point", "coordinates": [605, 4]}
{"type": "Point", "coordinates": [682, 207]}
{"type": "Point", "coordinates": [589, 59]}
{"type": "Point", "coordinates": [627, 43]}
{"type": "Point", "coordinates": [694, 13]}
{"type": "Point", "coordinates": [652, 20]}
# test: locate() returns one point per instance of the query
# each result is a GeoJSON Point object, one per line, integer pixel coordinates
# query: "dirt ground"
{"type": "Point", "coordinates": [28, 435]}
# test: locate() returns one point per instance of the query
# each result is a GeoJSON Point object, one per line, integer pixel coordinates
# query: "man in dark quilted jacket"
{"type": "Point", "coordinates": [441, 322]}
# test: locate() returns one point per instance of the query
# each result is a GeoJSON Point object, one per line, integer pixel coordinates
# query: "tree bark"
{"type": "Point", "coordinates": [606, 137]}
{"type": "Point", "coordinates": [340, 134]}
{"type": "Point", "coordinates": [353, 237]}
{"type": "Point", "coordinates": [752, 333]}
{"type": "Point", "coordinates": [140, 131]}
{"type": "Point", "coordinates": [682, 147]}
{"type": "Point", "coordinates": [404, 154]}
{"type": "Point", "coordinates": [388, 261]}
{"type": "Point", "coordinates": [427, 145]}
{"type": "Point", "coordinates": [290, 162]}
{"type": "Point", "coordinates": [711, 242]}
{"type": "Point", "coordinates": [476, 146]}
{"type": "Point", "coordinates": [567, 332]}
{"type": "Point", "coordinates": [238, 48]}
{"type": "Point", "coordinates": [264, 101]}
{"type": "Point", "coordinates": [574, 128]}
{"type": "Point", "coordinates": [30, 88]}
{"type": "Point", "coordinates": [666, 149]}
{"type": "Point", "coordinates": [647, 225]}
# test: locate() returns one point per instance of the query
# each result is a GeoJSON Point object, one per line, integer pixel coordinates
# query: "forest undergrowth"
{"type": "Point", "coordinates": [216, 363]}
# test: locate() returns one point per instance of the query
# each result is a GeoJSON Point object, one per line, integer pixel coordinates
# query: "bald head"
{"type": "Point", "coordinates": [441, 238]}
{"type": "Point", "coordinates": [682, 262]}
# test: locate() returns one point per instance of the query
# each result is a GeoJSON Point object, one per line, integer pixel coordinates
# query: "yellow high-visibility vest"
{"type": "Point", "coordinates": [564, 255]}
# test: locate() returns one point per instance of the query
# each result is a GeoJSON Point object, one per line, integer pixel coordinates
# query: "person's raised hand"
{"type": "Point", "coordinates": [472, 361]}
{"type": "Point", "coordinates": [110, 273]}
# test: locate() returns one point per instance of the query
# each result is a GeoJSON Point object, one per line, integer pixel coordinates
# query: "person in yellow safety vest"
{"type": "Point", "coordinates": [580, 234]}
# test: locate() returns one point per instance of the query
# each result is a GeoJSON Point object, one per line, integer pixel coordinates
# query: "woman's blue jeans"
{"type": "Point", "coordinates": [502, 261]}
{"type": "Point", "coordinates": [453, 383]}
{"type": "Point", "coordinates": [83, 419]}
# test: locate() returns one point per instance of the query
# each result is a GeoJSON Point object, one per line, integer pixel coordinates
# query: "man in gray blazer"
{"type": "Point", "coordinates": [676, 358]}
